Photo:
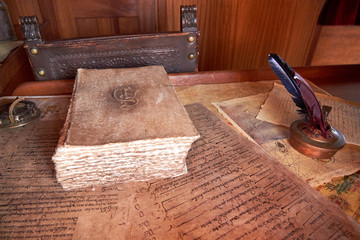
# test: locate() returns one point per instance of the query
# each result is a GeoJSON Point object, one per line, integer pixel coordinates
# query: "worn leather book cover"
{"type": "Point", "coordinates": [123, 125]}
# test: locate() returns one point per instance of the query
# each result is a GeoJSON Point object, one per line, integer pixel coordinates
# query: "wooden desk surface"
{"type": "Point", "coordinates": [196, 87]}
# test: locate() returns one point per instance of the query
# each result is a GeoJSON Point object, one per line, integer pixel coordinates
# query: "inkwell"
{"type": "Point", "coordinates": [312, 136]}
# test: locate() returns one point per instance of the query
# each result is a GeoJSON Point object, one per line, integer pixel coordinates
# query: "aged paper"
{"type": "Point", "coordinates": [345, 192]}
{"type": "Point", "coordinates": [241, 112]}
{"type": "Point", "coordinates": [32, 203]}
{"type": "Point", "coordinates": [233, 190]}
{"type": "Point", "coordinates": [207, 93]}
{"type": "Point", "coordinates": [344, 116]}
{"type": "Point", "coordinates": [315, 172]}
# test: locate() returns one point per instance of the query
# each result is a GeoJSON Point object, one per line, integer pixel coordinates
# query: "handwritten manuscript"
{"type": "Point", "coordinates": [233, 190]}
{"type": "Point", "coordinates": [123, 125]}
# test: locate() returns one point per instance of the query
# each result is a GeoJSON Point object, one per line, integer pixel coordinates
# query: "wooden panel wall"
{"type": "Point", "coordinates": [235, 34]}
{"type": "Point", "coordinates": [62, 19]}
{"type": "Point", "coordinates": [338, 45]}
{"type": "Point", "coordinates": [238, 34]}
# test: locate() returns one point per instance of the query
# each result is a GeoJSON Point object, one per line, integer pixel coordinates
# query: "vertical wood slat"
{"type": "Point", "coordinates": [107, 26]}
{"type": "Point", "coordinates": [48, 12]}
{"type": "Point", "coordinates": [65, 19]}
{"type": "Point", "coordinates": [86, 27]}
{"type": "Point", "coordinates": [128, 25]}
{"type": "Point", "coordinates": [239, 34]}
{"type": "Point", "coordinates": [147, 16]}
{"type": "Point", "coordinates": [104, 8]}
{"type": "Point", "coordinates": [161, 16]}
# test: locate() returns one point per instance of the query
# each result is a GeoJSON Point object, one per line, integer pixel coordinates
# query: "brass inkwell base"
{"type": "Point", "coordinates": [312, 143]}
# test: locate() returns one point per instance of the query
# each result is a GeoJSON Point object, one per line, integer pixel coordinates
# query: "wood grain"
{"type": "Point", "coordinates": [84, 27]}
{"type": "Point", "coordinates": [22, 8]}
{"type": "Point", "coordinates": [104, 8]}
{"type": "Point", "coordinates": [63, 19]}
{"type": "Point", "coordinates": [67, 27]}
{"type": "Point", "coordinates": [338, 45]}
{"type": "Point", "coordinates": [107, 26]}
{"type": "Point", "coordinates": [111, 17]}
{"type": "Point", "coordinates": [240, 34]}
{"type": "Point", "coordinates": [128, 25]}
{"type": "Point", "coordinates": [147, 13]}
{"type": "Point", "coordinates": [47, 12]}
{"type": "Point", "coordinates": [14, 71]}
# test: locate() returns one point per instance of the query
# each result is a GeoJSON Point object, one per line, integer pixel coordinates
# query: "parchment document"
{"type": "Point", "coordinates": [281, 110]}
{"type": "Point", "coordinates": [242, 112]}
{"type": "Point", "coordinates": [233, 190]}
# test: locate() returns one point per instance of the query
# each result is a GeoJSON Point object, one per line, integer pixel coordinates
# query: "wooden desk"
{"type": "Point", "coordinates": [113, 204]}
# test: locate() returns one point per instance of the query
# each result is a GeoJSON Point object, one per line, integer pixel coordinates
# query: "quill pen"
{"type": "Point", "coordinates": [302, 94]}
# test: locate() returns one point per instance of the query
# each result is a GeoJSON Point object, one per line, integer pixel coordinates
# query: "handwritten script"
{"type": "Point", "coordinates": [233, 190]}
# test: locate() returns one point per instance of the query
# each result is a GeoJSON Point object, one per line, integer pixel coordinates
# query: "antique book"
{"type": "Point", "coordinates": [123, 125]}
{"type": "Point", "coordinates": [233, 190]}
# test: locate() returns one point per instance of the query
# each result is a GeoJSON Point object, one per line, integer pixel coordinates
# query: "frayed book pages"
{"type": "Point", "coordinates": [123, 125]}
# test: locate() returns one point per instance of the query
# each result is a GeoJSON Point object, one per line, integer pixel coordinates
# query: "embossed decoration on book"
{"type": "Point", "coordinates": [126, 96]}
